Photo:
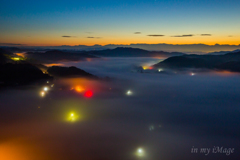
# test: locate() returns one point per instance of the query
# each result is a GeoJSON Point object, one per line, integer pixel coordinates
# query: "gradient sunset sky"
{"type": "Point", "coordinates": [89, 22]}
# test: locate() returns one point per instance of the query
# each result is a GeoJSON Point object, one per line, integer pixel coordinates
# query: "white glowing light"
{"type": "Point", "coordinates": [160, 70]}
{"type": "Point", "coordinates": [140, 152]}
{"type": "Point", "coordinates": [45, 88]}
{"type": "Point", "coordinates": [129, 92]}
{"type": "Point", "coordinates": [192, 74]}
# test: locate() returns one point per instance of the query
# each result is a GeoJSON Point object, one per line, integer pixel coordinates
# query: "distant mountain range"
{"type": "Point", "coordinates": [229, 61]}
{"type": "Point", "coordinates": [132, 52]}
{"type": "Point", "coordinates": [56, 56]}
{"type": "Point", "coordinates": [191, 48]}
{"type": "Point", "coordinates": [223, 52]}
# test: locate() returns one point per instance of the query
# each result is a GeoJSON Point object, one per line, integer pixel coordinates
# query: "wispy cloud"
{"type": "Point", "coordinates": [95, 37]}
{"type": "Point", "coordinates": [206, 35]}
{"type": "Point", "coordinates": [155, 35]}
{"type": "Point", "coordinates": [137, 32]}
{"type": "Point", "coordinates": [11, 44]}
{"type": "Point", "coordinates": [185, 35]}
{"type": "Point", "coordinates": [68, 36]}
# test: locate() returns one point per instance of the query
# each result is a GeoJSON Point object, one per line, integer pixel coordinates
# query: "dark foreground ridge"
{"type": "Point", "coordinates": [21, 72]}
{"type": "Point", "coordinates": [229, 61]}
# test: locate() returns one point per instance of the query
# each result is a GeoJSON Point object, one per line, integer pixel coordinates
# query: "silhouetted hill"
{"type": "Point", "coordinates": [5, 56]}
{"type": "Point", "coordinates": [133, 52]}
{"type": "Point", "coordinates": [12, 49]}
{"type": "Point", "coordinates": [183, 61]}
{"type": "Point", "coordinates": [20, 73]}
{"type": "Point", "coordinates": [228, 61]}
{"type": "Point", "coordinates": [69, 72]}
{"type": "Point", "coordinates": [56, 56]}
{"type": "Point", "coordinates": [3, 59]}
{"type": "Point", "coordinates": [230, 66]}
{"type": "Point", "coordinates": [4, 51]}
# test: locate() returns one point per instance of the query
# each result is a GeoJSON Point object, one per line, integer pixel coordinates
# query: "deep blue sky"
{"type": "Point", "coordinates": [102, 22]}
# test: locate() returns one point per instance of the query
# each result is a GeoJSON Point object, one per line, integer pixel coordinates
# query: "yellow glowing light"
{"type": "Point", "coordinates": [79, 89]}
{"type": "Point", "coordinates": [72, 117]}
{"type": "Point", "coordinates": [145, 67]}
{"type": "Point", "coordinates": [16, 59]}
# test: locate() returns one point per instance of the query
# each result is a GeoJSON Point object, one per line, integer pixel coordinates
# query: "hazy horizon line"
{"type": "Point", "coordinates": [26, 45]}
{"type": "Point", "coordinates": [187, 48]}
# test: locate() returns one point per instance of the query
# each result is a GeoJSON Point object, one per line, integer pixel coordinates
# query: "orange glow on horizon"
{"type": "Point", "coordinates": [122, 39]}
{"type": "Point", "coordinates": [129, 43]}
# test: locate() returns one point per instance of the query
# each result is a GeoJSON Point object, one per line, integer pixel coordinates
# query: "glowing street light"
{"type": "Point", "coordinates": [79, 89]}
{"type": "Point", "coordinates": [129, 92]}
{"type": "Point", "coordinates": [140, 152]}
{"type": "Point", "coordinates": [42, 93]}
{"type": "Point", "coordinates": [45, 88]}
{"type": "Point", "coordinates": [193, 74]}
{"type": "Point", "coordinates": [72, 117]}
{"type": "Point", "coordinates": [88, 94]}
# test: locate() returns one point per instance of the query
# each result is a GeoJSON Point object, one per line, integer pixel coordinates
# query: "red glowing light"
{"type": "Point", "coordinates": [150, 67]}
{"type": "Point", "coordinates": [88, 94]}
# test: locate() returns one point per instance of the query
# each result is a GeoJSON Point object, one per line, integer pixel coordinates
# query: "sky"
{"type": "Point", "coordinates": [89, 22]}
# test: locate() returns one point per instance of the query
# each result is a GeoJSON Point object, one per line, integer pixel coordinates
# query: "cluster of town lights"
{"type": "Point", "coordinates": [44, 91]}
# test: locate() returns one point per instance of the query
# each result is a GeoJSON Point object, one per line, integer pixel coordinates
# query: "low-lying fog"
{"type": "Point", "coordinates": [148, 116]}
